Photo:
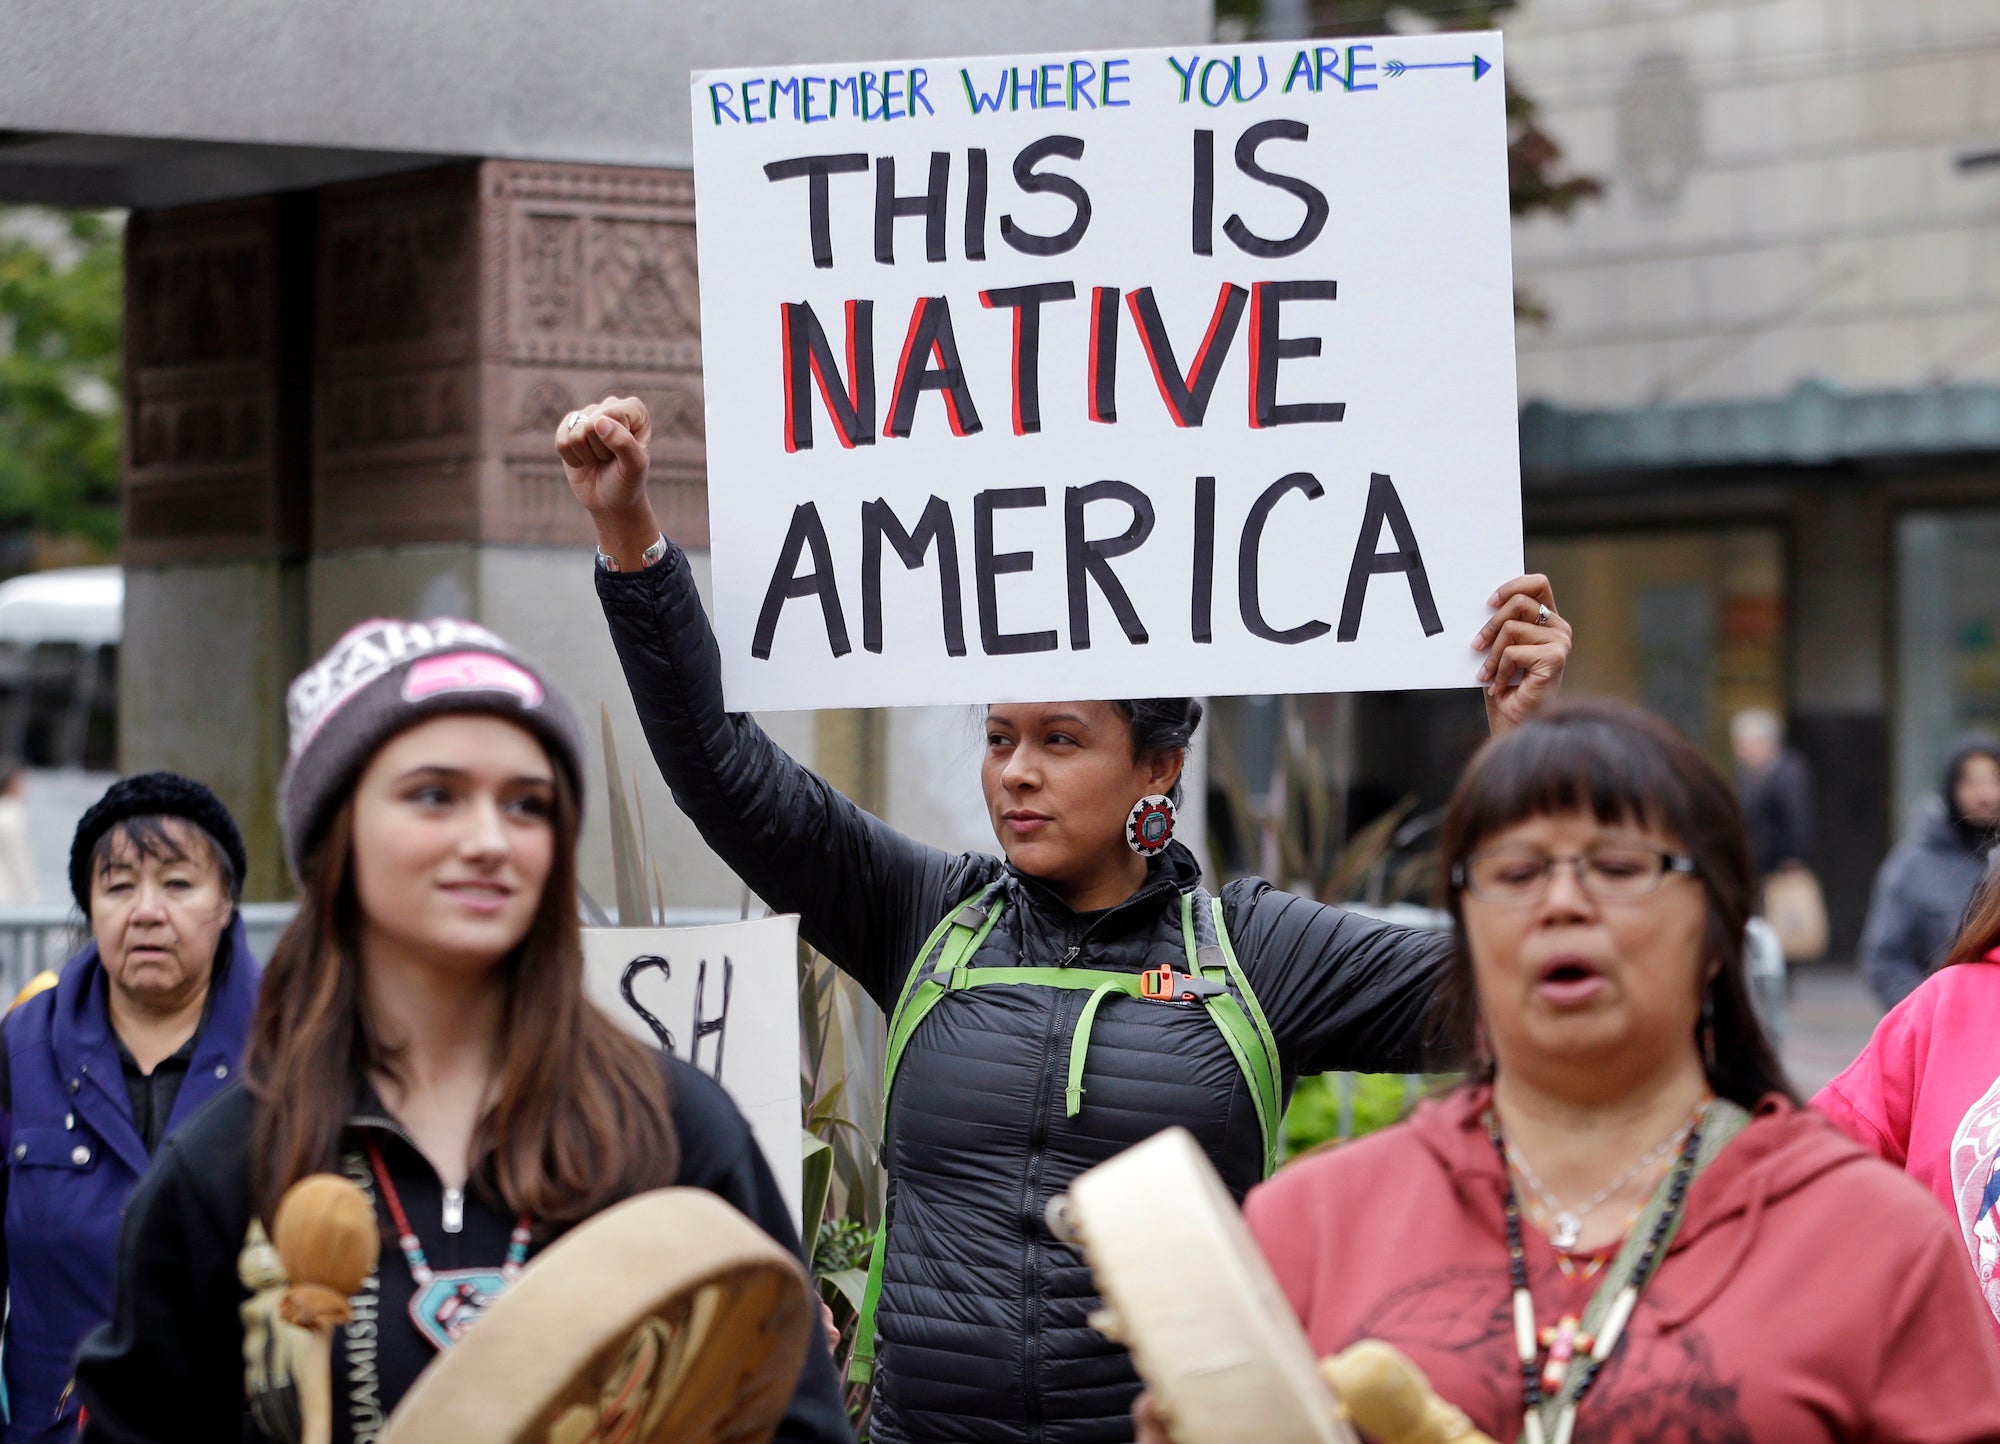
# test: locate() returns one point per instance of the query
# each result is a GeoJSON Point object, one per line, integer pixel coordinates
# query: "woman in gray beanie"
{"type": "Point", "coordinates": [423, 1029]}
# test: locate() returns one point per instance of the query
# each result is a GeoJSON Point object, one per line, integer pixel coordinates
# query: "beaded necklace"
{"type": "Point", "coordinates": [446, 1304]}
{"type": "Point", "coordinates": [1575, 1357]}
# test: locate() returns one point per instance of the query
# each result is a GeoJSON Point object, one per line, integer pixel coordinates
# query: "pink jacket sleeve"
{"type": "Point", "coordinates": [1873, 1100]}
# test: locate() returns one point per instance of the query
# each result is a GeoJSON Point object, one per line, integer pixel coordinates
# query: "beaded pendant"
{"type": "Point", "coordinates": [447, 1304]}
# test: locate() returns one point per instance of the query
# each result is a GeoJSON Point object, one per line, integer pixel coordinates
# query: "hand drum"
{"type": "Point", "coordinates": [668, 1317]}
{"type": "Point", "coordinates": [1188, 1292]}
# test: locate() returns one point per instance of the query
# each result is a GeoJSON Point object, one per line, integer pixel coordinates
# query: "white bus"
{"type": "Point", "coordinates": [59, 633]}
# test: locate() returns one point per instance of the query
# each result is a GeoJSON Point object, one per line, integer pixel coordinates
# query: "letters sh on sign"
{"type": "Point", "coordinates": [1115, 374]}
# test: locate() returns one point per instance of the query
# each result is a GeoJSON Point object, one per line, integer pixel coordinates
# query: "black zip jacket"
{"type": "Point", "coordinates": [168, 1367]}
{"type": "Point", "coordinates": [983, 1332]}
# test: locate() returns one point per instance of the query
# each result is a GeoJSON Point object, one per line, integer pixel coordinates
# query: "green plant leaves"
{"type": "Point", "coordinates": [850, 1284]}
{"type": "Point", "coordinates": [628, 856]}
{"type": "Point", "coordinates": [817, 1159]}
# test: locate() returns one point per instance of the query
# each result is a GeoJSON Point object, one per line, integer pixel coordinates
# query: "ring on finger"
{"type": "Point", "coordinates": [1542, 615]}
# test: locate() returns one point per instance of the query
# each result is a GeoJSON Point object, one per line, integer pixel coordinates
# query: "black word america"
{"type": "Point", "coordinates": [805, 566]}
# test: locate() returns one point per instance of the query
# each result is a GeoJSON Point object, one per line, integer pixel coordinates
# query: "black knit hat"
{"type": "Point", "coordinates": [151, 794]}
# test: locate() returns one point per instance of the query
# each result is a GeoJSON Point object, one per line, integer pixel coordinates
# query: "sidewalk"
{"type": "Point", "coordinates": [1831, 1015]}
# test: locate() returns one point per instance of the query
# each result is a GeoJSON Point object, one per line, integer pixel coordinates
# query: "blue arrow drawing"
{"type": "Point", "coordinates": [1476, 65]}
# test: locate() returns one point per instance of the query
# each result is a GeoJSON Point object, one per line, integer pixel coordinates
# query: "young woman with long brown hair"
{"type": "Point", "coordinates": [423, 1029]}
{"type": "Point", "coordinates": [1925, 1092]}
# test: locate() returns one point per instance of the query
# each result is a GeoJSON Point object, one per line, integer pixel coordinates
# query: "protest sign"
{"type": "Point", "coordinates": [724, 998]}
{"type": "Point", "coordinates": [1107, 375]}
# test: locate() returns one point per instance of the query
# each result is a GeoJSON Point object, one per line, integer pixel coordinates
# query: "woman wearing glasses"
{"type": "Point", "coordinates": [1623, 1226]}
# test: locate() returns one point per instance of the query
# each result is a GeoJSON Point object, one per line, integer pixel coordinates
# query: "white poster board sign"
{"type": "Point", "coordinates": [1108, 374]}
{"type": "Point", "coordinates": [727, 997]}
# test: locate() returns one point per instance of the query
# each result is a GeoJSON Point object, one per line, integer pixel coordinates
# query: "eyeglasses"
{"type": "Point", "coordinates": [1515, 877]}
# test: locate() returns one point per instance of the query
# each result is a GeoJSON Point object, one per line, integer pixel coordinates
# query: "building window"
{"type": "Point", "coordinates": [1948, 642]}
{"type": "Point", "coordinates": [1689, 624]}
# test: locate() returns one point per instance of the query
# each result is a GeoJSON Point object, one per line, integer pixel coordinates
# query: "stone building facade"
{"type": "Point", "coordinates": [1761, 425]}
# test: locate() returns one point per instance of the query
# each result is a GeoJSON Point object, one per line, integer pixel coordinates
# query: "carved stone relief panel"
{"type": "Point", "coordinates": [206, 476]}
{"type": "Point", "coordinates": [642, 280]}
{"type": "Point", "coordinates": [590, 291]}
{"type": "Point", "coordinates": [551, 260]}
{"type": "Point", "coordinates": [462, 313]}
{"type": "Point", "coordinates": [395, 361]}
{"type": "Point", "coordinates": [536, 505]}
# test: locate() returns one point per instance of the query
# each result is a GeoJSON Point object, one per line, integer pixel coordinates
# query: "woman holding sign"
{"type": "Point", "coordinates": [423, 1029]}
{"type": "Point", "coordinates": [1046, 1011]}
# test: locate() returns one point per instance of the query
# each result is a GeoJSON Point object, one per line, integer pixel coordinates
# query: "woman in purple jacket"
{"type": "Point", "coordinates": [146, 1024]}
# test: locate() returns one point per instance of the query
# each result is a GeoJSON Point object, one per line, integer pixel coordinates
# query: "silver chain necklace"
{"type": "Point", "coordinates": [1569, 1221]}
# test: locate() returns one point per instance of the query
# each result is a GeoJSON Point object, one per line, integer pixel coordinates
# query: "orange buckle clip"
{"type": "Point", "coordinates": [1158, 984]}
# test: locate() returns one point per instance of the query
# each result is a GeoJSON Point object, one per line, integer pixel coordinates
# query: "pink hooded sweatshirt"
{"type": "Point", "coordinates": [1811, 1294]}
{"type": "Point", "coordinates": [1925, 1095]}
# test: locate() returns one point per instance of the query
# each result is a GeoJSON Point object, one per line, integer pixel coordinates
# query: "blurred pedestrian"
{"type": "Point", "coordinates": [144, 1025]}
{"type": "Point", "coordinates": [1924, 885]}
{"type": "Point", "coordinates": [1925, 1092]}
{"type": "Point", "coordinates": [17, 853]}
{"type": "Point", "coordinates": [1776, 788]}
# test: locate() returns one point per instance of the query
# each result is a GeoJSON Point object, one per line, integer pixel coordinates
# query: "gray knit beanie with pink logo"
{"type": "Point", "coordinates": [384, 677]}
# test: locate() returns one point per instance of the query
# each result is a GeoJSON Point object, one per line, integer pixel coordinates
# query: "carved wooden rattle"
{"type": "Point", "coordinates": [327, 1238]}
{"type": "Point", "coordinates": [1391, 1401]}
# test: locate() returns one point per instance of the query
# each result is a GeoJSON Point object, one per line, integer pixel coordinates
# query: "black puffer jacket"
{"type": "Point", "coordinates": [983, 1332]}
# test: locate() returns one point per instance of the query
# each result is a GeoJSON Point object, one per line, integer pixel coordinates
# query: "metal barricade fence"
{"type": "Point", "coordinates": [34, 937]}
{"type": "Point", "coordinates": [37, 937]}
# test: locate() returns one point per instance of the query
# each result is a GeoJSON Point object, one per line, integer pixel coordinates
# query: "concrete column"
{"type": "Point", "coordinates": [1839, 685]}
{"type": "Point", "coordinates": [1840, 600]}
{"type": "Point", "coordinates": [217, 310]}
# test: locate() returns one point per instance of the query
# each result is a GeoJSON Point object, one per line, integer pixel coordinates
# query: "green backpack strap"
{"type": "Point", "coordinates": [1098, 983]}
{"type": "Point", "coordinates": [956, 938]}
{"type": "Point", "coordinates": [1211, 961]}
{"type": "Point", "coordinates": [953, 941]}
{"type": "Point", "coordinates": [1242, 1023]}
